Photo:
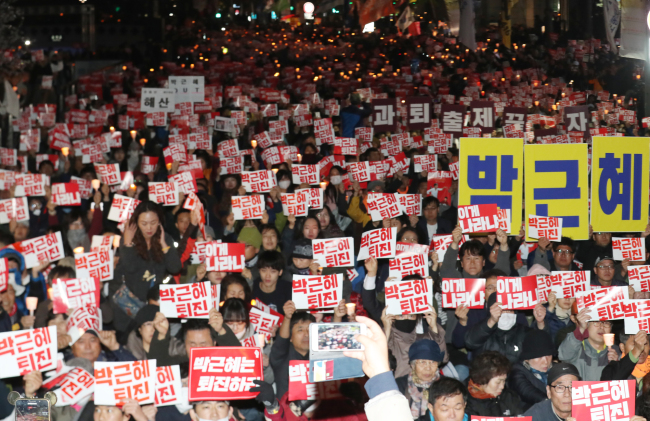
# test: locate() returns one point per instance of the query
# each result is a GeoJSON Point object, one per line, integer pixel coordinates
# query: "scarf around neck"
{"type": "Point", "coordinates": [477, 391]}
{"type": "Point", "coordinates": [417, 390]}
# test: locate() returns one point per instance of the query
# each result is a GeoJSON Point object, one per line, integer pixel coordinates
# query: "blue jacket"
{"type": "Point", "coordinates": [352, 117]}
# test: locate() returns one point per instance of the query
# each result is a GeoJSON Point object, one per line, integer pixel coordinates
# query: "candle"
{"type": "Point", "coordinates": [133, 133]}
{"type": "Point", "coordinates": [32, 303]}
{"type": "Point", "coordinates": [254, 143]}
{"type": "Point", "coordinates": [78, 250]}
{"type": "Point", "coordinates": [351, 308]}
{"type": "Point", "coordinates": [65, 150]}
{"type": "Point", "coordinates": [143, 141]}
{"type": "Point", "coordinates": [275, 170]}
{"type": "Point", "coordinates": [132, 186]}
{"type": "Point", "coordinates": [323, 184]}
{"type": "Point", "coordinates": [299, 158]}
{"type": "Point", "coordinates": [95, 183]}
{"type": "Point", "coordinates": [260, 339]}
{"type": "Point", "coordinates": [169, 166]}
{"type": "Point", "coordinates": [609, 339]}
{"type": "Point", "coordinates": [112, 129]}
{"type": "Point", "coordinates": [116, 241]}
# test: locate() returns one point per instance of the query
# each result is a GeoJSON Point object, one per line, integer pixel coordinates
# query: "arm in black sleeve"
{"type": "Point", "coordinates": [478, 334]}
{"type": "Point", "coordinates": [618, 370]}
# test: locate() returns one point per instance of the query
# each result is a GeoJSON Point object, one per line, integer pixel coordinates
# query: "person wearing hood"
{"type": "Point", "coordinates": [488, 395]}
{"type": "Point", "coordinates": [251, 237]}
{"type": "Point", "coordinates": [425, 358]}
{"type": "Point", "coordinates": [500, 332]}
{"type": "Point", "coordinates": [22, 280]}
{"type": "Point", "coordinates": [529, 375]}
{"type": "Point", "coordinates": [139, 341]}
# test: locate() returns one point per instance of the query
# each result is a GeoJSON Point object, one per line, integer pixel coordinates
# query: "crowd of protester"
{"type": "Point", "coordinates": [446, 363]}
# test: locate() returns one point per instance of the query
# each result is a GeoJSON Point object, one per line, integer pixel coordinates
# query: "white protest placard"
{"type": "Point", "coordinates": [603, 303]}
{"type": "Point", "coordinates": [157, 99]}
{"type": "Point", "coordinates": [425, 163]}
{"type": "Point", "coordinates": [410, 204]}
{"type": "Point", "coordinates": [247, 207]}
{"type": "Point", "coordinates": [188, 88]}
{"type": "Point", "coordinates": [45, 248]}
{"type": "Point", "coordinates": [96, 264]}
{"type": "Point", "coordinates": [545, 226]}
{"type": "Point", "coordinates": [383, 206]}
{"type": "Point", "coordinates": [74, 293]}
{"type": "Point", "coordinates": [379, 243]}
{"type": "Point", "coordinates": [632, 249]}
{"type": "Point", "coordinates": [258, 181]}
{"type": "Point", "coordinates": [83, 319]}
{"type": "Point", "coordinates": [333, 252]}
{"type": "Point", "coordinates": [24, 351]}
{"type": "Point", "coordinates": [168, 386]}
{"type": "Point", "coordinates": [164, 193]}
{"type": "Point", "coordinates": [313, 291]}
{"type": "Point", "coordinates": [185, 182]}
{"type": "Point", "coordinates": [639, 277]}
{"type": "Point", "coordinates": [14, 209]}
{"type": "Point", "coordinates": [407, 264]}
{"type": "Point", "coordinates": [109, 173]}
{"type": "Point", "coordinates": [30, 184]}
{"type": "Point", "coordinates": [570, 282]}
{"type": "Point", "coordinates": [188, 301]}
{"type": "Point", "coordinates": [99, 242]}
{"type": "Point", "coordinates": [408, 297]}
{"type": "Point", "coordinates": [308, 174]}
{"type": "Point", "coordinates": [296, 204]}
{"type": "Point", "coordinates": [116, 381]}
{"type": "Point", "coordinates": [75, 386]}
{"type": "Point", "coordinates": [122, 208]}
{"type": "Point", "coordinates": [264, 321]}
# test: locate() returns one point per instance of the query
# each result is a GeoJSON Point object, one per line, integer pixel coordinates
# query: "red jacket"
{"type": "Point", "coordinates": [334, 410]}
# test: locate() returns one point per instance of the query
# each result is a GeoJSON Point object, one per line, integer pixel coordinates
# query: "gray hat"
{"type": "Point", "coordinates": [600, 259]}
{"type": "Point", "coordinates": [376, 183]}
{"type": "Point", "coordinates": [302, 249]}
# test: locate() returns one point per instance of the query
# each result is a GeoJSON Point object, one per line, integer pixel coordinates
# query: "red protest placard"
{"type": "Point", "coordinates": [478, 218]}
{"type": "Point", "coordinates": [75, 385]}
{"type": "Point", "coordinates": [225, 257]}
{"type": "Point", "coordinates": [66, 194]}
{"type": "Point", "coordinates": [224, 373]}
{"type": "Point", "coordinates": [517, 293]}
{"type": "Point", "coordinates": [545, 226]}
{"type": "Point", "coordinates": [408, 297]}
{"type": "Point", "coordinates": [603, 303]}
{"type": "Point", "coordinates": [566, 284]}
{"type": "Point", "coordinates": [163, 193]}
{"type": "Point", "coordinates": [311, 292]}
{"type": "Point", "coordinates": [189, 301]}
{"type": "Point", "coordinates": [408, 264]}
{"type": "Point", "coordinates": [74, 293]}
{"type": "Point", "coordinates": [480, 418]}
{"type": "Point", "coordinates": [149, 164]}
{"type": "Point", "coordinates": [379, 243]}
{"type": "Point", "coordinates": [639, 277]}
{"type": "Point", "coordinates": [463, 291]}
{"type": "Point", "coordinates": [24, 351]}
{"type": "Point", "coordinates": [247, 207]}
{"type": "Point", "coordinates": [608, 400]}
{"type": "Point", "coordinates": [300, 388]}
{"type": "Point", "coordinates": [47, 247]}
{"type": "Point", "coordinates": [258, 181]}
{"type": "Point", "coordinates": [296, 204]}
{"type": "Point", "coordinates": [410, 249]}
{"type": "Point", "coordinates": [383, 206]}
{"type": "Point", "coordinates": [168, 386]}
{"type": "Point", "coordinates": [438, 185]}
{"type": "Point", "coordinates": [308, 174]}
{"type": "Point", "coordinates": [333, 252]}
{"type": "Point", "coordinates": [116, 381]}
{"type": "Point", "coordinates": [96, 264]}
{"type": "Point", "coordinates": [628, 248]}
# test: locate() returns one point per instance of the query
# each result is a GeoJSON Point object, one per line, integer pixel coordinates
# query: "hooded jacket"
{"type": "Point", "coordinates": [530, 389]}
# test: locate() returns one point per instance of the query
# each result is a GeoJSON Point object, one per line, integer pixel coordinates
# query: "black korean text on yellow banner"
{"type": "Point", "coordinates": [619, 183]}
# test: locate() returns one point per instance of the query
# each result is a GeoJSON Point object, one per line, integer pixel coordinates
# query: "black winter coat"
{"type": "Point", "coordinates": [481, 338]}
{"type": "Point", "coordinates": [529, 388]}
{"type": "Point", "coordinates": [507, 404]}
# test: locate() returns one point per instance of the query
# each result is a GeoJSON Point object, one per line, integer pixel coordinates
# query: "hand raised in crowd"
{"type": "Point", "coordinates": [150, 412]}
{"type": "Point", "coordinates": [340, 311]}
{"type": "Point", "coordinates": [495, 314]}
{"type": "Point", "coordinates": [612, 355]}
{"type": "Point", "coordinates": [161, 324]}
{"type": "Point", "coordinates": [375, 353]}
{"type": "Point", "coordinates": [163, 243]}
{"type": "Point", "coordinates": [314, 268]}
{"type": "Point", "coordinates": [522, 233]}
{"type": "Point", "coordinates": [413, 220]}
{"type": "Point", "coordinates": [544, 244]}
{"type": "Point", "coordinates": [132, 407]}
{"type": "Point", "coordinates": [433, 256]}
{"type": "Point", "coordinates": [371, 266]}
{"type": "Point", "coordinates": [456, 237]}
{"type": "Point", "coordinates": [201, 271]}
{"type": "Point", "coordinates": [241, 191]}
{"type": "Point", "coordinates": [552, 301]}
{"type": "Point", "coordinates": [265, 217]}
{"type": "Point", "coordinates": [539, 312]}
{"type": "Point", "coordinates": [291, 221]}
{"type": "Point", "coordinates": [502, 237]}
{"type": "Point", "coordinates": [215, 321]}
{"type": "Point", "coordinates": [640, 341]}
{"type": "Point", "coordinates": [431, 317]}
{"type": "Point", "coordinates": [461, 314]}
{"type": "Point", "coordinates": [129, 234]}
{"type": "Point", "coordinates": [289, 308]}
{"type": "Point", "coordinates": [230, 221]}
{"type": "Point", "coordinates": [33, 381]}
{"type": "Point", "coordinates": [108, 339]}
{"type": "Point", "coordinates": [195, 216]}
{"type": "Point", "coordinates": [583, 318]}
{"type": "Point", "coordinates": [387, 320]}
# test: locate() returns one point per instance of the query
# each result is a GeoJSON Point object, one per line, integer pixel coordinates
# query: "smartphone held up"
{"type": "Point", "coordinates": [336, 336]}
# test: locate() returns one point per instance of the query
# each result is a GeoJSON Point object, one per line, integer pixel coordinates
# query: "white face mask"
{"type": "Point", "coordinates": [284, 184]}
{"type": "Point", "coordinates": [241, 334]}
{"type": "Point", "coordinates": [37, 212]}
{"type": "Point", "coordinates": [507, 321]}
{"type": "Point", "coordinates": [335, 179]}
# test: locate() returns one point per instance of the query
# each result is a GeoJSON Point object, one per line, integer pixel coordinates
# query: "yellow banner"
{"type": "Point", "coordinates": [619, 183]}
{"type": "Point", "coordinates": [492, 171]}
{"type": "Point", "coordinates": [557, 185]}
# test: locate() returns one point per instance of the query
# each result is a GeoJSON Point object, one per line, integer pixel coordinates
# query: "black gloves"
{"type": "Point", "coordinates": [266, 395]}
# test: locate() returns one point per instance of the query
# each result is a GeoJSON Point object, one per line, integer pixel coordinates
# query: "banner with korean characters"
{"type": "Point", "coordinates": [30, 184]}
{"type": "Point", "coordinates": [317, 292]}
{"type": "Point", "coordinates": [225, 257]}
{"type": "Point", "coordinates": [296, 204]}
{"type": "Point", "coordinates": [300, 388]}
{"type": "Point", "coordinates": [189, 301]}
{"type": "Point", "coordinates": [258, 181]}
{"type": "Point", "coordinates": [619, 184]}
{"type": "Point", "coordinates": [314, 197]}
{"type": "Point", "coordinates": [66, 194]}
{"type": "Point", "coordinates": [566, 284]}
{"type": "Point", "coordinates": [478, 218]}
{"type": "Point", "coordinates": [264, 319]}
{"type": "Point", "coordinates": [307, 174]}
{"type": "Point", "coordinates": [517, 293]}
{"type": "Point", "coordinates": [116, 381]}
{"type": "Point", "coordinates": [74, 293]}
{"type": "Point", "coordinates": [96, 264]}
{"type": "Point", "coordinates": [408, 264]}
{"type": "Point", "coordinates": [379, 243]}
{"type": "Point", "coordinates": [164, 193]}
{"type": "Point", "coordinates": [383, 206]}
{"type": "Point", "coordinates": [247, 207]}
{"type": "Point", "coordinates": [14, 209]}
{"type": "Point", "coordinates": [333, 252]}
{"type": "Point", "coordinates": [45, 248]}
{"type": "Point", "coordinates": [544, 226]}
{"type": "Point", "coordinates": [168, 386]}
{"type": "Point", "coordinates": [83, 319]}
{"type": "Point", "coordinates": [603, 303]}
{"type": "Point", "coordinates": [636, 314]}
{"type": "Point", "coordinates": [639, 278]}
{"type": "Point", "coordinates": [468, 292]}
{"type": "Point", "coordinates": [632, 249]}
{"type": "Point", "coordinates": [24, 351]}
{"type": "Point", "coordinates": [224, 373]}
{"type": "Point", "coordinates": [408, 297]}
{"type": "Point", "coordinates": [74, 386]}
{"type": "Point", "coordinates": [122, 208]}
{"type": "Point", "coordinates": [606, 400]}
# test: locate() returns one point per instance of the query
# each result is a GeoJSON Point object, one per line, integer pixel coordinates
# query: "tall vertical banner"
{"type": "Point", "coordinates": [612, 15]}
{"type": "Point", "coordinates": [619, 184]}
{"type": "Point", "coordinates": [492, 171]}
{"type": "Point", "coordinates": [634, 29]}
{"type": "Point", "coordinates": [556, 179]}
{"type": "Point", "coordinates": [506, 22]}
{"type": "Point", "coordinates": [467, 33]}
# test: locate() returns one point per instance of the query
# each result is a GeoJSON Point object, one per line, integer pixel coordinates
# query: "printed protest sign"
{"type": "Point", "coordinates": [225, 257]}
{"type": "Point", "coordinates": [517, 293]}
{"type": "Point", "coordinates": [469, 292]}
{"type": "Point", "coordinates": [606, 400]}
{"type": "Point", "coordinates": [188, 301]}
{"type": "Point", "coordinates": [116, 381]}
{"type": "Point", "coordinates": [379, 243]}
{"type": "Point", "coordinates": [478, 218]}
{"type": "Point", "coordinates": [333, 252]}
{"type": "Point", "coordinates": [311, 292]}
{"type": "Point", "coordinates": [408, 297]}
{"type": "Point", "coordinates": [96, 264]}
{"type": "Point", "coordinates": [168, 386]}
{"type": "Point", "coordinates": [632, 249]}
{"type": "Point", "coordinates": [74, 293]}
{"type": "Point", "coordinates": [24, 351]}
{"type": "Point", "coordinates": [545, 226]}
{"type": "Point", "coordinates": [247, 207]}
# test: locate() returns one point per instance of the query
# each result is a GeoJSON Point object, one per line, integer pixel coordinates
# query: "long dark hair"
{"type": "Point", "coordinates": [138, 240]}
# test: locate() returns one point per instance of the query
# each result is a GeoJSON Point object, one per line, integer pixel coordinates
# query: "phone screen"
{"type": "Point", "coordinates": [338, 337]}
{"type": "Point", "coordinates": [32, 410]}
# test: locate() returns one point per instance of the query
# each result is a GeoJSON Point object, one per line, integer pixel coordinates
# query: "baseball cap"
{"type": "Point", "coordinates": [600, 259]}
{"type": "Point", "coordinates": [561, 369]}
